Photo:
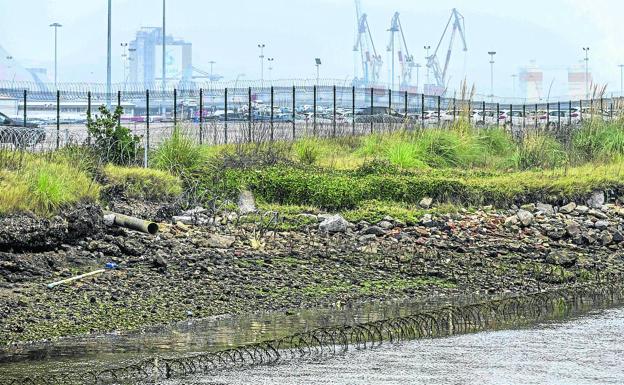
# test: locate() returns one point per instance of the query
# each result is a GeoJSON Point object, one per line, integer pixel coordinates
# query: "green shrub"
{"type": "Point", "coordinates": [599, 141]}
{"type": "Point", "coordinates": [113, 142]}
{"type": "Point", "coordinates": [179, 154]}
{"type": "Point", "coordinates": [307, 150]}
{"type": "Point", "coordinates": [404, 155]}
{"type": "Point", "coordinates": [143, 183]}
{"type": "Point", "coordinates": [540, 151]}
{"type": "Point", "coordinates": [377, 166]}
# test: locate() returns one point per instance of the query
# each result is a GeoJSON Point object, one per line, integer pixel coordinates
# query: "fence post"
{"type": "Point", "coordinates": [591, 110]}
{"type": "Point", "coordinates": [147, 130]}
{"type": "Point", "coordinates": [454, 109]}
{"type": "Point", "coordinates": [611, 109]}
{"type": "Point", "coordinates": [25, 106]}
{"type": "Point", "coordinates": [353, 110]}
{"type": "Point", "coordinates": [175, 107]}
{"type": "Point", "coordinates": [497, 114]}
{"type": "Point", "coordinates": [88, 116]}
{"type": "Point", "coordinates": [201, 115]}
{"type": "Point", "coordinates": [439, 116]}
{"type": "Point", "coordinates": [523, 116]}
{"type": "Point", "coordinates": [581, 110]}
{"type": "Point", "coordinates": [483, 111]}
{"type": "Point", "coordinates": [422, 110]}
{"type": "Point", "coordinates": [334, 117]}
{"type": "Point", "coordinates": [405, 105]}
{"type": "Point", "coordinates": [372, 106]}
{"type": "Point", "coordinates": [119, 105]}
{"type": "Point", "coordinates": [511, 116]}
{"type": "Point", "coordinates": [559, 115]}
{"type": "Point", "coordinates": [250, 112]}
{"type": "Point", "coordinates": [294, 113]}
{"type": "Point", "coordinates": [58, 119]}
{"type": "Point", "coordinates": [271, 122]}
{"type": "Point", "coordinates": [314, 112]}
{"type": "Point", "coordinates": [547, 115]}
{"type": "Point", "coordinates": [225, 123]}
{"type": "Point", "coordinates": [570, 113]}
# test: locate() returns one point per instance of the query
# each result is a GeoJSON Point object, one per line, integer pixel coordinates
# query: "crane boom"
{"type": "Point", "coordinates": [370, 60]}
{"type": "Point", "coordinates": [456, 21]}
{"type": "Point", "coordinates": [406, 60]}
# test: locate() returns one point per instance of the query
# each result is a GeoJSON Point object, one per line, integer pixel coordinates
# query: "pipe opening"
{"type": "Point", "coordinates": [152, 228]}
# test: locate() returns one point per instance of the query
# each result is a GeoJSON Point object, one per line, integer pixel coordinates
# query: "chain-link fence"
{"type": "Point", "coordinates": [38, 119]}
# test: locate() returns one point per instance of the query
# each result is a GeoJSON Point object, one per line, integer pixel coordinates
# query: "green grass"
{"type": "Point", "coordinates": [143, 183]}
{"type": "Point", "coordinates": [43, 186]}
{"type": "Point", "coordinates": [179, 154]}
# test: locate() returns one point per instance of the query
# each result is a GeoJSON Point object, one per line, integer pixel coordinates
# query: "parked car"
{"type": "Point", "coordinates": [14, 132]}
{"type": "Point", "coordinates": [378, 115]}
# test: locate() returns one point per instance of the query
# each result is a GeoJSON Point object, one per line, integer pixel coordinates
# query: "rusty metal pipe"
{"type": "Point", "coordinates": [133, 223]}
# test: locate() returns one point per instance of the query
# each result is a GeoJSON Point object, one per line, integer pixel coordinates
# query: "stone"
{"type": "Point", "coordinates": [367, 238]}
{"type": "Point", "coordinates": [386, 225]}
{"type": "Point", "coordinates": [606, 238]}
{"type": "Point", "coordinates": [184, 219]}
{"type": "Point", "coordinates": [334, 224]}
{"type": "Point", "coordinates": [109, 219]}
{"type": "Point", "coordinates": [306, 216]}
{"type": "Point", "coordinates": [374, 230]}
{"type": "Point", "coordinates": [596, 200]}
{"type": "Point", "coordinates": [159, 261]}
{"type": "Point", "coordinates": [580, 209]}
{"type": "Point", "coordinates": [218, 241]}
{"type": "Point", "coordinates": [545, 208]}
{"type": "Point", "coordinates": [573, 228]}
{"type": "Point", "coordinates": [511, 221]}
{"type": "Point", "coordinates": [194, 212]}
{"type": "Point", "coordinates": [601, 225]}
{"type": "Point", "coordinates": [525, 217]}
{"type": "Point", "coordinates": [597, 214]}
{"type": "Point", "coordinates": [562, 258]}
{"type": "Point", "coordinates": [528, 207]}
{"type": "Point", "coordinates": [618, 237]}
{"type": "Point", "coordinates": [426, 202]}
{"type": "Point", "coordinates": [246, 202]}
{"type": "Point", "coordinates": [567, 209]}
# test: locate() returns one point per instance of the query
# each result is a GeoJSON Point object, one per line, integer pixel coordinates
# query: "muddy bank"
{"type": "Point", "coordinates": [226, 263]}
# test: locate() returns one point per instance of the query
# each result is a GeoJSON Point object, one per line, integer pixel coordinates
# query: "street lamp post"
{"type": "Point", "coordinates": [621, 79]}
{"type": "Point", "coordinates": [108, 58]}
{"type": "Point", "coordinates": [586, 50]}
{"type": "Point", "coordinates": [270, 60]}
{"type": "Point", "coordinates": [418, 75]}
{"type": "Point", "coordinates": [317, 62]}
{"type": "Point", "coordinates": [56, 26]}
{"type": "Point", "coordinates": [427, 48]}
{"type": "Point", "coordinates": [261, 46]}
{"type": "Point", "coordinates": [492, 53]}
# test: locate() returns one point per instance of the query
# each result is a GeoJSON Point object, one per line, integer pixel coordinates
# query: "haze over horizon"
{"type": "Point", "coordinates": [295, 32]}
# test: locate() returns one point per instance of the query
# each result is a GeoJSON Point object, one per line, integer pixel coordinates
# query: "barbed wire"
{"type": "Point", "coordinates": [508, 311]}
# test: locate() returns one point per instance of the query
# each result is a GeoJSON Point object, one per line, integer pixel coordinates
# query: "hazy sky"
{"type": "Point", "coordinates": [551, 32]}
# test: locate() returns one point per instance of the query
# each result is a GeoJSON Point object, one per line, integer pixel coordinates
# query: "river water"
{"type": "Point", "coordinates": [585, 350]}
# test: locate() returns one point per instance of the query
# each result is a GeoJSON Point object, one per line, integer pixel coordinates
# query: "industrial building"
{"type": "Point", "coordinates": [145, 58]}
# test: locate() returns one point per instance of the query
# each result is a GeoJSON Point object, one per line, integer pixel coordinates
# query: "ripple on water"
{"type": "Point", "coordinates": [588, 350]}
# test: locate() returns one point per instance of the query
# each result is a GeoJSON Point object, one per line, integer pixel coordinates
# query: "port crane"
{"type": "Point", "coordinates": [457, 21]}
{"type": "Point", "coordinates": [406, 60]}
{"type": "Point", "coordinates": [371, 61]}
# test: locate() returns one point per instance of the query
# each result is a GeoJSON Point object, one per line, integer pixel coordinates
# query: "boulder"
{"type": "Point", "coordinates": [601, 225]}
{"type": "Point", "coordinates": [573, 229]}
{"type": "Point", "coordinates": [545, 208]}
{"type": "Point", "coordinates": [528, 207]}
{"type": "Point", "coordinates": [512, 221]}
{"type": "Point", "coordinates": [567, 209]}
{"type": "Point", "coordinates": [426, 202]}
{"type": "Point", "coordinates": [597, 214]}
{"type": "Point", "coordinates": [246, 202]}
{"type": "Point", "coordinates": [562, 258]}
{"type": "Point", "coordinates": [596, 200]}
{"type": "Point", "coordinates": [217, 241]}
{"type": "Point", "coordinates": [334, 224]}
{"type": "Point", "coordinates": [580, 209]}
{"type": "Point", "coordinates": [386, 225]}
{"type": "Point", "coordinates": [374, 230]}
{"type": "Point", "coordinates": [525, 217]}
{"type": "Point", "coordinates": [184, 219]}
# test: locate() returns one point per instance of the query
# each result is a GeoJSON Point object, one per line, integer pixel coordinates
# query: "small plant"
{"type": "Point", "coordinates": [307, 151]}
{"type": "Point", "coordinates": [143, 183]}
{"type": "Point", "coordinates": [179, 154]}
{"type": "Point", "coordinates": [540, 151]}
{"type": "Point", "coordinates": [113, 142]}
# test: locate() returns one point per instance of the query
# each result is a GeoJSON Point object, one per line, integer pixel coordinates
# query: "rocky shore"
{"type": "Point", "coordinates": [203, 263]}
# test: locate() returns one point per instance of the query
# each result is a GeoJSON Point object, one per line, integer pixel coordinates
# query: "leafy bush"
{"type": "Point", "coordinates": [404, 155]}
{"type": "Point", "coordinates": [377, 166]}
{"type": "Point", "coordinates": [307, 150]}
{"type": "Point", "coordinates": [143, 183]}
{"type": "Point", "coordinates": [113, 142]}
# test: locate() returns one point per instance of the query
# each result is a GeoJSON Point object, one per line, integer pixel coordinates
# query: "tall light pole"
{"type": "Point", "coordinates": [56, 26]}
{"type": "Point", "coordinates": [124, 60]}
{"type": "Point", "coordinates": [261, 46]}
{"type": "Point", "coordinates": [270, 60]}
{"type": "Point", "coordinates": [212, 63]}
{"type": "Point", "coordinates": [427, 48]}
{"type": "Point", "coordinates": [317, 62]}
{"type": "Point", "coordinates": [621, 79]}
{"type": "Point", "coordinates": [108, 59]}
{"type": "Point", "coordinates": [417, 75]}
{"type": "Point", "coordinates": [586, 50]}
{"type": "Point", "coordinates": [164, 62]}
{"type": "Point", "coordinates": [492, 53]}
